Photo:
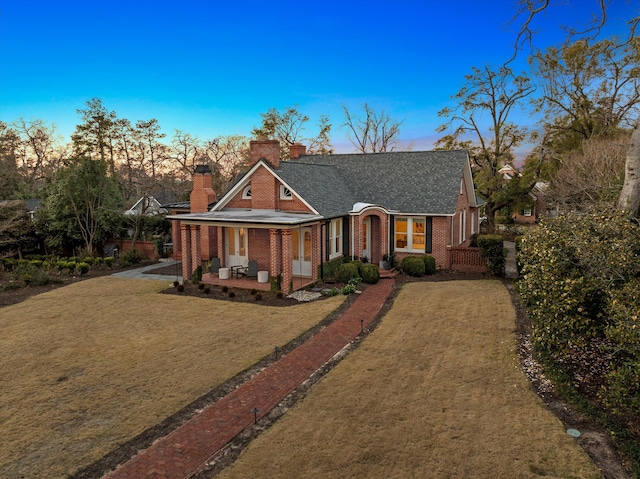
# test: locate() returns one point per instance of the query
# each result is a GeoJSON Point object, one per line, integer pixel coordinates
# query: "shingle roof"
{"type": "Point", "coordinates": [426, 182]}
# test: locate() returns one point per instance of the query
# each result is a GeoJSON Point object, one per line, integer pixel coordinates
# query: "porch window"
{"type": "Point", "coordinates": [412, 234]}
{"type": "Point", "coordinates": [335, 238]}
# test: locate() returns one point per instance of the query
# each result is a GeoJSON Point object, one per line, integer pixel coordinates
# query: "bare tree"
{"type": "Point", "coordinates": [226, 155]}
{"type": "Point", "coordinates": [185, 151]}
{"type": "Point", "coordinates": [373, 132]}
{"type": "Point", "coordinates": [527, 11]}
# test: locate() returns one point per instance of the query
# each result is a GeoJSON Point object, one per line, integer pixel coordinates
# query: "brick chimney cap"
{"type": "Point", "coordinates": [202, 169]}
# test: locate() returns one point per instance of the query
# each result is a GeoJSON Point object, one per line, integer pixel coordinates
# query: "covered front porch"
{"type": "Point", "coordinates": [280, 243]}
{"type": "Point", "coordinates": [243, 282]}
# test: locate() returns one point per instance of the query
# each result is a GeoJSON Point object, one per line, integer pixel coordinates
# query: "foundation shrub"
{"type": "Point", "coordinates": [429, 264]}
{"type": "Point", "coordinates": [359, 265]}
{"type": "Point", "coordinates": [580, 283]}
{"type": "Point", "coordinates": [83, 268]}
{"type": "Point", "coordinates": [492, 248]}
{"type": "Point", "coordinates": [131, 257]}
{"type": "Point", "coordinates": [346, 272]}
{"type": "Point", "coordinates": [413, 266]}
{"type": "Point", "coordinates": [108, 261]}
{"type": "Point", "coordinates": [370, 274]}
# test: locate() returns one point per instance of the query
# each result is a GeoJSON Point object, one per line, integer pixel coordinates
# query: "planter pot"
{"type": "Point", "coordinates": [223, 273]}
{"type": "Point", "coordinates": [263, 276]}
{"type": "Point", "coordinates": [386, 265]}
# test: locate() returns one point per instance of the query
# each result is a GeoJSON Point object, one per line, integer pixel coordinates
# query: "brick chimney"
{"type": "Point", "coordinates": [202, 194]}
{"type": "Point", "coordinates": [297, 150]}
{"type": "Point", "coordinates": [268, 150]}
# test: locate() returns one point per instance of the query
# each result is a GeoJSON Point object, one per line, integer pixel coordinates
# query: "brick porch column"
{"type": "Point", "coordinates": [196, 251]}
{"type": "Point", "coordinates": [274, 267]}
{"type": "Point", "coordinates": [221, 243]}
{"type": "Point", "coordinates": [287, 267]}
{"type": "Point", "coordinates": [185, 235]}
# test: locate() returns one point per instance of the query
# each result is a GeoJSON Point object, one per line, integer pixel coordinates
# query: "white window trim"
{"type": "Point", "coordinates": [335, 238]}
{"type": "Point", "coordinates": [283, 193]}
{"type": "Point", "coordinates": [246, 193]}
{"type": "Point", "coordinates": [527, 212]}
{"type": "Point", "coordinates": [409, 247]}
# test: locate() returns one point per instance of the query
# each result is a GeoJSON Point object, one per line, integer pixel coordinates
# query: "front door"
{"type": "Point", "coordinates": [366, 239]}
{"type": "Point", "coordinates": [237, 247]}
{"type": "Point", "coordinates": [301, 252]}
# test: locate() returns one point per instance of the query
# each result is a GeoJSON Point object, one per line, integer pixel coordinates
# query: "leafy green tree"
{"type": "Point", "coordinates": [84, 205]}
{"type": "Point", "coordinates": [490, 95]}
{"type": "Point", "coordinates": [12, 185]}
{"type": "Point", "coordinates": [16, 228]}
{"type": "Point", "coordinates": [96, 135]}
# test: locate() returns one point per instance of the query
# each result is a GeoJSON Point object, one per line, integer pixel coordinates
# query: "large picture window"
{"type": "Point", "coordinates": [412, 234]}
{"type": "Point", "coordinates": [335, 238]}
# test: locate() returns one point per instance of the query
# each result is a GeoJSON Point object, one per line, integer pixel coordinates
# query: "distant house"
{"type": "Point", "coordinates": [538, 206]}
{"type": "Point", "coordinates": [294, 216]}
{"type": "Point", "coordinates": [146, 206]}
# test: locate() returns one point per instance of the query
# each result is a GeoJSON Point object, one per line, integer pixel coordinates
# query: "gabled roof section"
{"type": "Point", "coordinates": [426, 182]}
{"type": "Point", "coordinates": [321, 186]}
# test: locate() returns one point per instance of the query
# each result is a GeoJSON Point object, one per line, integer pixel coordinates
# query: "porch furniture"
{"type": "Point", "coordinates": [223, 273]}
{"type": "Point", "coordinates": [250, 271]}
{"type": "Point", "coordinates": [236, 270]}
{"type": "Point", "coordinates": [215, 265]}
{"type": "Point", "coordinates": [263, 276]}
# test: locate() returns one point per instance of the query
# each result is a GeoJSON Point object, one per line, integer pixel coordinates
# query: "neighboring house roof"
{"type": "Point", "coordinates": [151, 208]}
{"type": "Point", "coordinates": [410, 182]}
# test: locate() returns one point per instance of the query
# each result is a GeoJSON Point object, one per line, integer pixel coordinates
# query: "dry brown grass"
{"type": "Point", "coordinates": [435, 392]}
{"type": "Point", "coordinates": [88, 366]}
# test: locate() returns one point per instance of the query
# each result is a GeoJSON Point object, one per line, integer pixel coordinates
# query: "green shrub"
{"type": "Point", "coordinates": [370, 274]}
{"type": "Point", "coordinates": [109, 261]}
{"type": "Point", "coordinates": [196, 276]}
{"type": "Point", "coordinates": [429, 264]}
{"type": "Point", "coordinates": [580, 284]}
{"type": "Point", "coordinates": [98, 261]}
{"type": "Point", "coordinates": [331, 292]}
{"type": "Point", "coordinates": [36, 262]}
{"type": "Point", "coordinates": [346, 272]}
{"type": "Point", "coordinates": [8, 264]}
{"type": "Point", "coordinates": [83, 268]}
{"type": "Point", "coordinates": [413, 266]}
{"type": "Point", "coordinates": [359, 265]}
{"type": "Point", "coordinates": [131, 257]}
{"type": "Point", "coordinates": [492, 248]}
{"type": "Point", "coordinates": [349, 289]}
{"type": "Point", "coordinates": [28, 274]}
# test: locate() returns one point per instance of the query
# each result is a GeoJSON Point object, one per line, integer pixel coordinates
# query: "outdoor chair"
{"type": "Point", "coordinates": [251, 271]}
{"type": "Point", "coordinates": [215, 265]}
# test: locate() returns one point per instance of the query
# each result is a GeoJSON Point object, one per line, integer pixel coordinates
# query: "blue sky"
{"type": "Point", "coordinates": [210, 68]}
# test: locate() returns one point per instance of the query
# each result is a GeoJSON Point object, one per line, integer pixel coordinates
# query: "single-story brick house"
{"type": "Point", "coordinates": [294, 216]}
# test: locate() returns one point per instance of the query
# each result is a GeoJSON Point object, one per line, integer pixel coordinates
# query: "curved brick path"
{"type": "Point", "coordinates": [184, 451]}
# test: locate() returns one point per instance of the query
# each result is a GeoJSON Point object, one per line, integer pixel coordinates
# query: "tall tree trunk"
{"type": "Point", "coordinates": [630, 195]}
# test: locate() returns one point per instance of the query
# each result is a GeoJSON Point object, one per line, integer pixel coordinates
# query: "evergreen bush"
{"type": "Point", "coordinates": [131, 257]}
{"type": "Point", "coordinates": [370, 274]}
{"type": "Point", "coordinates": [347, 271]}
{"type": "Point", "coordinates": [429, 264]}
{"type": "Point", "coordinates": [413, 266]}
{"type": "Point", "coordinates": [492, 248]}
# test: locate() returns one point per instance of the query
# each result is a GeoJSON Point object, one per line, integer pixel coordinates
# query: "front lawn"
{"type": "Point", "coordinates": [88, 366]}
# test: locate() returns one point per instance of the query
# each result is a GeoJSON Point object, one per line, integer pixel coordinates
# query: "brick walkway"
{"type": "Point", "coordinates": [184, 451]}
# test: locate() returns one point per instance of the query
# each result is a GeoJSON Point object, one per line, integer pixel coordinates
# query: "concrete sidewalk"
{"type": "Point", "coordinates": [139, 273]}
{"type": "Point", "coordinates": [189, 448]}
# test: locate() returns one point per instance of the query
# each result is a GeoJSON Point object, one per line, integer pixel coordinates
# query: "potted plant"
{"type": "Point", "coordinates": [387, 261]}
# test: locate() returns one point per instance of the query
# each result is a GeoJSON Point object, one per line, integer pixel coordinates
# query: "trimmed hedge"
{"type": "Point", "coordinates": [429, 264]}
{"type": "Point", "coordinates": [370, 274]}
{"type": "Point", "coordinates": [413, 266]}
{"type": "Point", "coordinates": [492, 248]}
{"type": "Point", "coordinates": [347, 272]}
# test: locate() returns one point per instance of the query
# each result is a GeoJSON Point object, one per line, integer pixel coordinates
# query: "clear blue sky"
{"type": "Point", "coordinates": [210, 68]}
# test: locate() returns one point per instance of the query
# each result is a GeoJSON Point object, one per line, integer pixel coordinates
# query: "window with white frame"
{"type": "Point", "coordinates": [473, 222]}
{"type": "Point", "coordinates": [335, 238]}
{"type": "Point", "coordinates": [527, 212]}
{"type": "Point", "coordinates": [285, 193]}
{"type": "Point", "coordinates": [410, 234]}
{"type": "Point", "coordinates": [246, 193]}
